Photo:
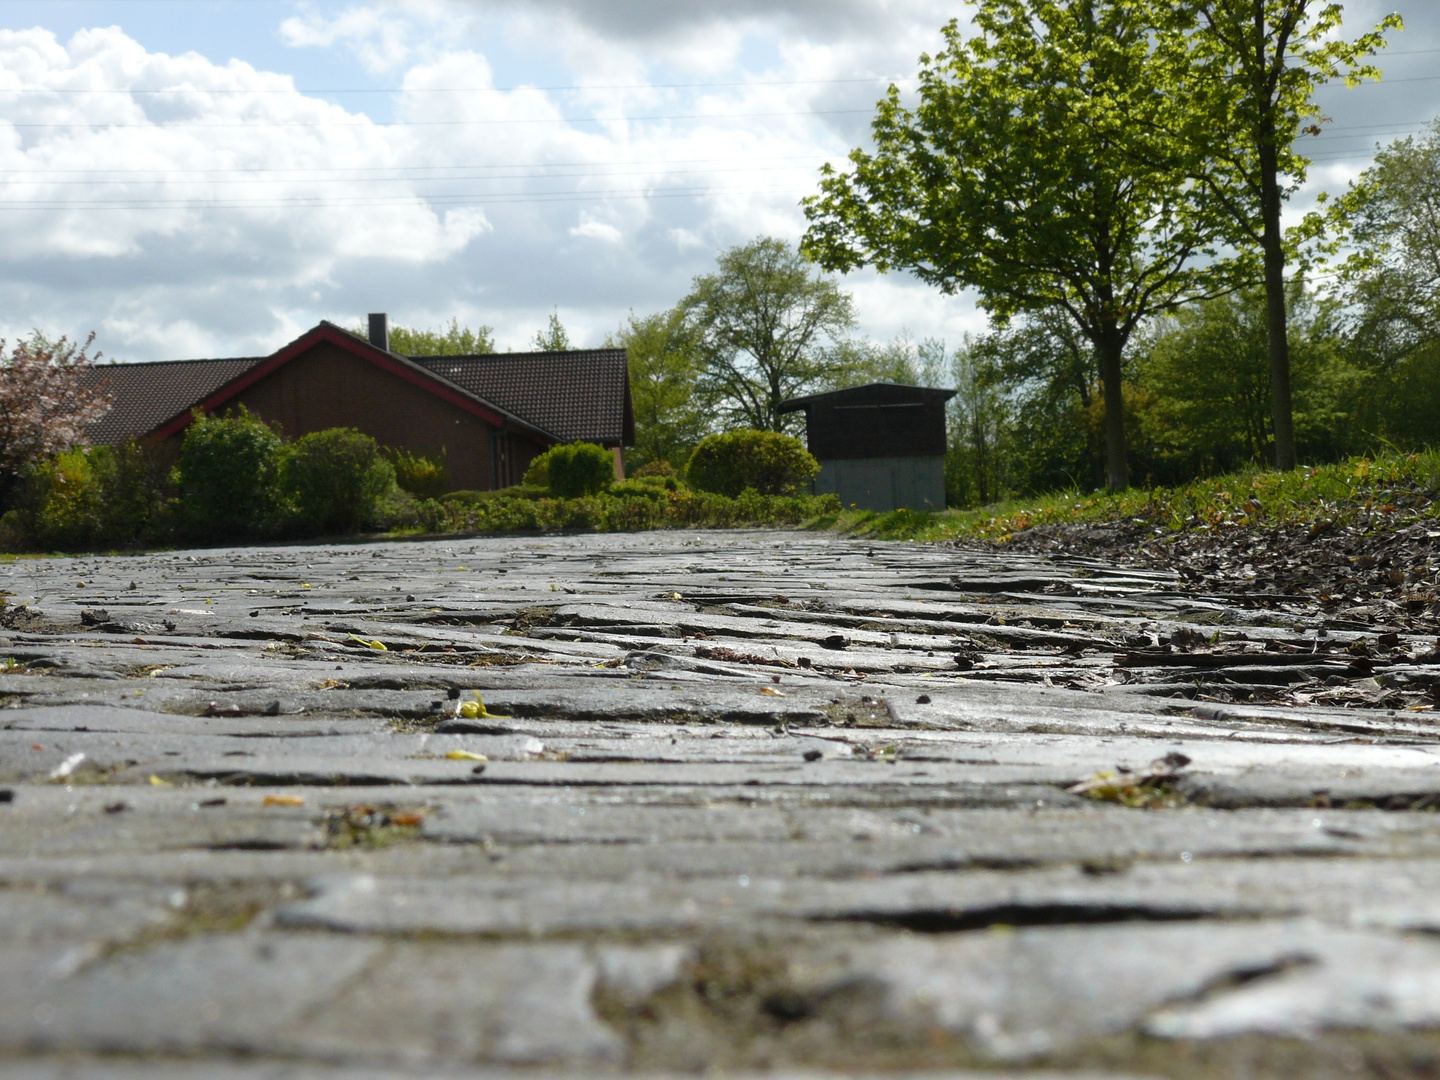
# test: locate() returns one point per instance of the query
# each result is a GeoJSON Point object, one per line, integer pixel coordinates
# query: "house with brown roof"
{"type": "Point", "coordinates": [491, 414]}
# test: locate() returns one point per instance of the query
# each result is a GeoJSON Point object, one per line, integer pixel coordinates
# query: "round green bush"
{"type": "Point", "coordinates": [537, 473]}
{"type": "Point", "coordinates": [765, 461]}
{"type": "Point", "coordinates": [424, 477]}
{"type": "Point", "coordinates": [577, 469]}
{"type": "Point", "coordinates": [337, 480]}
{"type": "Point", "coordinates": [227, 472]}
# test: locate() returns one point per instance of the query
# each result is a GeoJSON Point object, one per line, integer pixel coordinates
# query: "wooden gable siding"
{"type": "Point", "coordinates": [328, 387]}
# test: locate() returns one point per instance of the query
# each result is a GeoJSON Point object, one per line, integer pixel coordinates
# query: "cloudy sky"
{"type": "Point", "coordinates": [212, 177]}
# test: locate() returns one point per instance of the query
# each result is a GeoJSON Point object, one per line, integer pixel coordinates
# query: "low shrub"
{"type": "Point", "coordinates": [621, 512]}
{"type": "Point", "coordinates": [227, 473]}
{"type": "Point", "coordinates": [642, 489]}
{"type": "Point", "coordinates": [337, 480]}
{"type": "Point", "coordinates": [660, 468]}
{"type": "Point", "coordinates": [90, 497]}
{"type": "Point", "coordinates": [537, 473]}
{"type": "Point", "coordinates": [424, 477]}
{"type": "Point", "coordinates": [518, 491]}
{"type": "Point", "coordinates": [398, 510]}
{"type": "Point", "coordinates": [66, 502]}
{"type": "Point", "coordinates": [578, 469]}
{"type": "Point", "coordinates": [766, 462]}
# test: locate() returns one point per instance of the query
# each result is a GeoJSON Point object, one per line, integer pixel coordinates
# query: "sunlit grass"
{"type": "Point", "coordinates": [1375, 492]}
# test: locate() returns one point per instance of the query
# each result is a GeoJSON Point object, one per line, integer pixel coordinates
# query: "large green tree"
{"type": "Point", "coordinates": [1393, 278]}
{"type": "Point", "coordinates": [671, 415]}
{"type": "Point", "coordinates": [1036, 168]}
{"type": "Point", "coordinates": [767, 327]}
{"type": "Point", "coordinates": [1248, 71]}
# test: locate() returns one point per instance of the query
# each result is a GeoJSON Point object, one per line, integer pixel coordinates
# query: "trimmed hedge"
{"type": "Point", "coordinates": [628, 513]}
{"type": "Point", "coordinates": [763, 461]}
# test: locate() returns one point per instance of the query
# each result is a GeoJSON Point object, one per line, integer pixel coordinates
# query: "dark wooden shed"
{"type": "Point", "coordinates": [880, 447]}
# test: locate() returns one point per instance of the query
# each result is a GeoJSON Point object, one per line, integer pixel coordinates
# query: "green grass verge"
{"type": "Point", "coordinates": [1386, 490]}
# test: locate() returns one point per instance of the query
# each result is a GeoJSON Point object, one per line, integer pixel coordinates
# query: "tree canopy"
{"type": "Point", "coordinates": [765, 322]}
{"type": "Point", "coordinates": [1394, 274]}
{"type": "Point", "coordinates": [1038, 169]}
{"type": "Point", "coordinates": [451, 340]}
{"type": "Point", "coordinates": [554, 337]}
{"type": "Point", "coordinates": [671, 416]}
{"type": "Point", "coordinates": [1248, 71]}
{"type": "Point", "coordinates": [47, 399]}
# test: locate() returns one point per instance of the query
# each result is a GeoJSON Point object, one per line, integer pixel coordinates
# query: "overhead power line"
{"type": "Point", "coordinates": [183, 126]}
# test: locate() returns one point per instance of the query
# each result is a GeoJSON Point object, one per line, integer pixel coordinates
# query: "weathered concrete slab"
{"type": "Point", "coordinates": [757, 803]}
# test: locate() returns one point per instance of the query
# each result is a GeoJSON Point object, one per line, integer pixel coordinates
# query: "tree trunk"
{"type": "Point", "coordinates": [1272, 243]}
{"type": "Point", "coordinates": [1108, 352]}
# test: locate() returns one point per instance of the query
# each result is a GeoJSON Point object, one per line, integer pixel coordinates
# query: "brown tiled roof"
{"type": "Point", "coordinates": [147, 395]}
{"type": "Point", "coordinates": [582, 394]}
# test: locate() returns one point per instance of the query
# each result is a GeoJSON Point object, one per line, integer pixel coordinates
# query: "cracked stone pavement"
{"type": "Point", "coordinates": [757, 803]}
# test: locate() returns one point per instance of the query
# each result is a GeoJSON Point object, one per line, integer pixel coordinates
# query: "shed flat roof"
{"type": "Point", "coordinates": [870, 393]}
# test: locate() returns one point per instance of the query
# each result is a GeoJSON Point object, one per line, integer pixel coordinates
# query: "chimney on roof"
{"type": "Point", "coordinates": [380, 330]}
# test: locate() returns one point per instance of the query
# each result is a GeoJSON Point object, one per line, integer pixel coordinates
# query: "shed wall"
{"type": "Point", "coordinates": [883, 484]}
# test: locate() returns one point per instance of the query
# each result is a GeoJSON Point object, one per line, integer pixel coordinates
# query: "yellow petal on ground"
{"type": "Point", "coordinates": [155, 781]}
{"type": "Point", "coordinates": [771, 691]}
{"type": "Point", "coordinates": [470, 710]}
{"type": "Point", "coordinates": [377, 644]}
{"type": "Point", "coordinates": [284, 800]}
{"type": "Point", "coordinates": [465, 755]}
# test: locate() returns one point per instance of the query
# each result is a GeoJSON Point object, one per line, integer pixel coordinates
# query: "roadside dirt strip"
{"type": "Point", "coordinates": [740, 803]}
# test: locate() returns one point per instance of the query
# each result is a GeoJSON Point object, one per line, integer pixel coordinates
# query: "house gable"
{"type": "Point", "coordinates": [346, 343]}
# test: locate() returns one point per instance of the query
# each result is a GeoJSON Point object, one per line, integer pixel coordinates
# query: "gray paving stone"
{"type": "Point", "coordinates": [223, 993]}
{"type": "Point", "coordinates": [70, 1069]}
{"type": "Point", "coordinates": [1019, 994]}
{"type": "Point", "coordinates": [681, 768]}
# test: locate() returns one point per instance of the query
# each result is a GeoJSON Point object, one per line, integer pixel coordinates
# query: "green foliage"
{"type": "Point", "coordinates": [763, 461]}
{"type": "Point", "coordinates": [1393, 278]}
{"type": "Point", "coordinates": [425, 477]}
{"type": "Point", "coordinates": [765, 323]}
{"type": "Point", "coordinates": [652, 509]}
{"type": "Point", "coordinates": [337, 480]}
{"type": "Point", "coordinates": [537, 473]}
{"type": "Point", "coordinates": [640, 489]}
{"type": "Point", "coordinates": [858, 362]}
{"type": "Point", "coordinates": [554, 337]}
{"type": "Point", "coordinates": [101, 497]}
{"type": "Point", "coordinates": [452, 340]}
{"type": "Point", "coordinates": [1205, 381]}
{"type": "Point", "coordinates": [577, 469]}
{"type": "Point", "coordinates": [1036, 169]}
{"type": "Point", "coordinates": [227, 473]}
{"type": "Point", "coordinates": [659, 468]}
{"type": "Point", "coordinates": [47, 398]}
{"type": "Point", "coordinates": [665, 361]}
{"type": "Point", "coordinates": [68, 507]}
{"type": "Point", "coordinates": [1247, 71]}
{"type": "Point", "coordinates": [1385, 492]}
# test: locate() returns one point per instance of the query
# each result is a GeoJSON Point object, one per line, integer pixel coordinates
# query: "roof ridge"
{"type": "Point", "coordinates": [191, 360]}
